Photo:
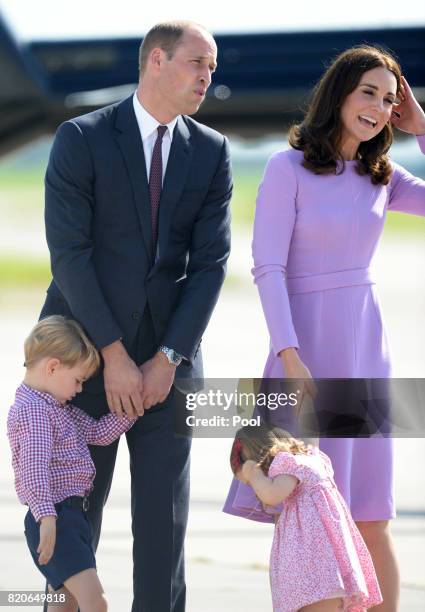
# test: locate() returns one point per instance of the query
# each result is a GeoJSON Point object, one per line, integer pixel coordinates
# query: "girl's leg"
{"type": "Point", "coordinates": [88, 591]}
{"type": "Point", "coordinates": [377, 537]}
{"type": "Point", "coordinates": [70, 604]}
{"type": "Point", "coordinates": [326, 605]}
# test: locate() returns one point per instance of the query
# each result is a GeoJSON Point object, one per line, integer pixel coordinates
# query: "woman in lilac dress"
{"type": "Point", "coordinates": [320, 212]}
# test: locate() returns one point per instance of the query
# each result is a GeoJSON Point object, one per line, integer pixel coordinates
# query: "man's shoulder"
{"type": "Point", "coordinates": [203, 131]}
{"type": "Point", "coordinates": [96, 117]}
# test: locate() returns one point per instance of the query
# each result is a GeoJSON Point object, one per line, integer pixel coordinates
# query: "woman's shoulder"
{"type": "Point", "coordinates": [287, 156]}
{"type": "Point", "coordinates": [399, 173]}
{"type": "Point", "coordinates": [285, 164]}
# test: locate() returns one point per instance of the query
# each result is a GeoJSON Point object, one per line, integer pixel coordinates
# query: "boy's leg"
{"type": "Point", "coordinates": [104, 459]}
{"type": "Point", "coordinates": [88, 591]}
{"type": "Point", "coordinates": [70, 604]}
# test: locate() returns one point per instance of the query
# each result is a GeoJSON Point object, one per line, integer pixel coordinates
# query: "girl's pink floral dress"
{"type": "Point", "coordinates": [318, 552]}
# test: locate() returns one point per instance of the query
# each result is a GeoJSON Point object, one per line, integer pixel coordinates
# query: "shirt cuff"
{"type": "Point", "coordinates": [44, 509]}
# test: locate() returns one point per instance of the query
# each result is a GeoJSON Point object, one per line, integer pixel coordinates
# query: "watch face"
{"type": "Point", "coordinates": [175, 357]}
{"type": "Point", "coordinates": [172, 356]}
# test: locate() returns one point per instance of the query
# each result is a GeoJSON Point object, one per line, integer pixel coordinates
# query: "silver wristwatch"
{"type": "Point", "coordinates": [173, 357]}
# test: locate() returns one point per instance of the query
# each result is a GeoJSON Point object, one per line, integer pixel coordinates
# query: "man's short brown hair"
{"type": "Point", "coordinates": [167, 36]}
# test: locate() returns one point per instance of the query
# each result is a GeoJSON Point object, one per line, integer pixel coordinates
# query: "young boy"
{"type": "Point", "coordinates": [53, 468]}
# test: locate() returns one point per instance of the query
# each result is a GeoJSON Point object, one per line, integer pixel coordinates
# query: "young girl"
{"type": "Point", "coordinates": [53, 469]}
{"type": "Point", "coordinates": [319, 561]}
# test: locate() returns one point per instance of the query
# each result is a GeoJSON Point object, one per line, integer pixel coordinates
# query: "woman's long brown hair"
{"type": "Point", "coordinates": [319, 134]}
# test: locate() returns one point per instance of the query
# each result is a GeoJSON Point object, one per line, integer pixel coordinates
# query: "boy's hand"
{"type": "Point", "coordinates": [47, 539]}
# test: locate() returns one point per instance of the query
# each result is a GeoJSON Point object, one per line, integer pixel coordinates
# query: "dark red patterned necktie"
{"type": "Point", "coordinates": [155, 183]}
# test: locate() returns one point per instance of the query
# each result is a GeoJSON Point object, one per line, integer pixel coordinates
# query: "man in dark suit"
{"type": "Point", "coordinates": [137, 223]}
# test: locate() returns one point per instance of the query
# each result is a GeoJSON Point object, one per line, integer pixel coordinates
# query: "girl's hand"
{"type": "Point", "coordinates": [47, 539]}
{"type": "Point", "coordinates": [408, 115]}
{"type": "Point", "coordinates": [246, 471]}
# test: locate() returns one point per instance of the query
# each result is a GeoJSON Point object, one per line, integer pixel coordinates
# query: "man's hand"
{"type": "Point", "coordinates": [123, 381]}
{"type": "Point", "coordinates": [47, 539]}
{"type": "Point", "coordinates": [158, 376]}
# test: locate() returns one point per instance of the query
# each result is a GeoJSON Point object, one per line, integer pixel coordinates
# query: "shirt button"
{"type": "Point", "coordinates": [135, 315]}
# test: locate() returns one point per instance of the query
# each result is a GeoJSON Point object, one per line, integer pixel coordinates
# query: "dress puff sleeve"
{"type": "Point", "coordinates": [407, 192]}
{"type": "Point", "coordinates": [273, 226]}
{"type": "Point", "coordinates": [286, 463]}
{"type": "Point", "coordinates": [327, 463]}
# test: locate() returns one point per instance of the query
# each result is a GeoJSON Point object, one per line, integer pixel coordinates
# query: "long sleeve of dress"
{"type": "Point", "coordinates": [274, 222]}
{"type": "Point", "coordinates": [103, 431]}
{"type": "Point", "coordinates": [407, 192]}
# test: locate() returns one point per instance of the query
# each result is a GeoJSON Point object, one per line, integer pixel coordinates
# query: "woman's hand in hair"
{"type": "Point", "coordinates": [408, 115]}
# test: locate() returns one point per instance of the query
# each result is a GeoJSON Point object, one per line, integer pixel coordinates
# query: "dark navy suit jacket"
{"type": "Point", "coordinates": [98, 229]}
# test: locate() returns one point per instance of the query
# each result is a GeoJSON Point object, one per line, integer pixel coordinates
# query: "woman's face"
{"type": "Point", "coordinates": [367, 109]}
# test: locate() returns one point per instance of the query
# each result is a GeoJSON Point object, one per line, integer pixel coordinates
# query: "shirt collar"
{"type": "Point", "coordinates": [147, 123]}
{"type": "Point", "coordinates": [29, 393]}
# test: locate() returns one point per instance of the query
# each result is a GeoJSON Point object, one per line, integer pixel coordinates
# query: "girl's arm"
{"type": "Point", "coordinates": [270, 491]}
{"type": "Point", "coordinates": [103, 431]}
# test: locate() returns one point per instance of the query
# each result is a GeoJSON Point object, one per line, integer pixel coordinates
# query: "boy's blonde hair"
{"type": "Point", "coordinates": [262, 443]}
{"type": "Point", "coordinates": [61, 338]}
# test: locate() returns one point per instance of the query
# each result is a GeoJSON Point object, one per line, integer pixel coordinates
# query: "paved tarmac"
{"type": "Point", "coordinates": [227, 557]}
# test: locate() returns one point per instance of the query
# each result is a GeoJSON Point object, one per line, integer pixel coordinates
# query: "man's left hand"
{"type": "Point", "coordinates": [158, 376]}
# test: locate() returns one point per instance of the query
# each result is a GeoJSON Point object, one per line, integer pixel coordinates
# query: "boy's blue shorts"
{"type": "Point", "coordinates": [73, 551]}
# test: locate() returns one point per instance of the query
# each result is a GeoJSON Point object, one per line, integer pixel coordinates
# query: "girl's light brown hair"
{"type": "Point", "coordinates": [262, 443]}
{"type": "Point", "coordinates": [62, 338]}
{"type": "Point", "coordinates": [319, 134]}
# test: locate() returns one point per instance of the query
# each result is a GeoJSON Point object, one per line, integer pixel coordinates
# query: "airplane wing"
{"type": "Point", "coordinates": [261, 85]}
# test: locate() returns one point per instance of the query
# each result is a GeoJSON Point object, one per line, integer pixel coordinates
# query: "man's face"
{"type": "Point", "coordinates": [184, 79]}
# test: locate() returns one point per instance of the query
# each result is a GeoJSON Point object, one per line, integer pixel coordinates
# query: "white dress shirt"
{"type": "Point", "coordinates": [148, 131]}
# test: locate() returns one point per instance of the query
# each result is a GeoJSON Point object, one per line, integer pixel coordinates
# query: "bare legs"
{"type": "Point", "coordinates": [377, 537]}
{"type": "Point", "coordinates": [84, 592]}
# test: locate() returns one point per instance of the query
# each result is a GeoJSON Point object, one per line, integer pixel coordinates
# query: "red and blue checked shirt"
{"type": "Point", "coordinates": [50, 456]}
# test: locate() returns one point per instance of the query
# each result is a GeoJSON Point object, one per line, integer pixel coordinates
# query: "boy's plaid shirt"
{"type": "Point", "coordinates": [49, 441]}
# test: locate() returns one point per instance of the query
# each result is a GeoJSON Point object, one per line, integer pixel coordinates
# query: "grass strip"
{"type": "Point", "coordinates": [18, 271]}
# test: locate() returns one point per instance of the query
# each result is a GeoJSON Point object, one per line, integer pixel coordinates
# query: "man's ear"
{"type": "Point", "coordinates": [156, 58]}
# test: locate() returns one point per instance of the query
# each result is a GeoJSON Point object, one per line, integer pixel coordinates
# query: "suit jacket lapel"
{"type": "Point", "coordinates": [130, 143]}
{"type": "Point", "coordinates": [178, 166]}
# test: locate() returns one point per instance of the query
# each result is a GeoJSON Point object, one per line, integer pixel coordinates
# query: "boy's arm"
{"type": "Point", "coordinates": [47, 542]}
{"type": "Point", "coordinates": [35, 450]}
{"type": "Point", "coordinates": [103, 431]}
